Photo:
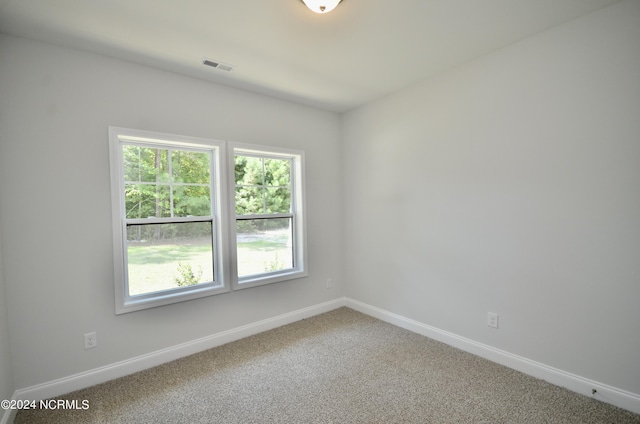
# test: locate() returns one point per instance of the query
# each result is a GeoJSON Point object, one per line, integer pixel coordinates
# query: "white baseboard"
{"type": "Point", "coordinates": [120, 369]}
{"type": "Point", "coordinates": [612, 395]}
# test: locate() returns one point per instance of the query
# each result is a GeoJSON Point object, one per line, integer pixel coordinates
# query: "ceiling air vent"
{"type": "Point", "coordinates": [217, 65]}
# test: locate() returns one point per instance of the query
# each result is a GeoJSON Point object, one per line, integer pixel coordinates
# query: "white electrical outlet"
{"type": "Point", "coordinates": [329, 283]}
{"type": "Point", "coordinates": [90, 340]}
{"type": "Point", "coordinates": [492, 319]}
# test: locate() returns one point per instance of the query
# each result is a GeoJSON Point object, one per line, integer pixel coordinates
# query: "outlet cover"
{"type": "Point", "coordinates": [492, 319]}
{"type": "Point", "coordinates": [90, 340]}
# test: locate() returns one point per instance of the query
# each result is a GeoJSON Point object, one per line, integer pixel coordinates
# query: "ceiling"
{"type": "Point", "coordinates": [362, 50]}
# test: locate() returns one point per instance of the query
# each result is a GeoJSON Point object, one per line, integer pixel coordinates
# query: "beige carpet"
{"type": "Point", "coordinates": [338, 367]}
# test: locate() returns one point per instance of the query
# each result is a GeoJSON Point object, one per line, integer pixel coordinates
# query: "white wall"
{"type": "Point", "coordinates": [55, 108]}
{"type": "Point", "coordinates": [511, 185]}
{"type": "Point", "coordinates": [6, 370]}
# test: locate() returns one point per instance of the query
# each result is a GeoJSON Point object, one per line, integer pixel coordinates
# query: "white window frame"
{"type": "Point", "coordinates": [298, 209]}
{"type": "Point", "coordinates": [124, 302]}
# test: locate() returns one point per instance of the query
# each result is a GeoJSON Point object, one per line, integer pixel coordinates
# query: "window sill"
{"type": "Point", "coordinates": [259, 280]}
{"type": "Point", "coordinates": [165, 298]}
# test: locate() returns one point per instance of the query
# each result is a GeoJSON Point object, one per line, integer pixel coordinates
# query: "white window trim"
{"type": "Point", "coordinates": [125, 303]}
{"type": "Point", "coordinates": [300, 268]}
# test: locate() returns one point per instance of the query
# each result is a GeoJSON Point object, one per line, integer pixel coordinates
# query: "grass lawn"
{"type": "Point", "coordinates": [155, 267]}
{"type": "Point", "coordinates": [163, 253]}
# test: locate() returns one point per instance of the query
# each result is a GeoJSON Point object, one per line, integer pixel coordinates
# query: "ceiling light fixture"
{"type": "Point", "coordinates": [321, 6]}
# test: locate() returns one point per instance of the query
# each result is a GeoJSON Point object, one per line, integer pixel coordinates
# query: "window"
{"type": "Point", "coordinates": [269, 242]}
{"type": "Point", "coordinates": [185, 228]}
{"type": "Point", "coordinates": [167, 218]}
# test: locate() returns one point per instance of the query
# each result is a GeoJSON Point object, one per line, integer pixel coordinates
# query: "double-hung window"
{"type": "Point", "coordinates": [167, 218]}
{"type": "Point", "coordinates": [193, 218]}
{"type": "Point", "coordinates": [269, 220]}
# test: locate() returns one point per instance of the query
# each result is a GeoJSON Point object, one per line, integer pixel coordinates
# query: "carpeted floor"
{"type": "Point", "coordinates": [338, 367]}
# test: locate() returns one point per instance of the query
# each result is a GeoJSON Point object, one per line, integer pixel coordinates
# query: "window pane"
{"type": "Point", "coordinates": [262, 194]}
{"type": "Point", "coordinates": [168, 256]}
{"type": "Point", "coordinates": [190, 167]}
{"type": "Point", "coordinates": [191, 201]}
{"type": "Point", "coordinates": [278, 200]}
{"type": "Point", "coordinates": [249, 200]}
{"type": "Point", "coordinates": [147, 200]}
{"type": "Point", "coordinates": [248, 170]}
{"type": "Point", "coordinates": [145, 164]}
{"type": "Point", "coordinates": [264, 245]}
{"type": "Point", "coordinates": [277, 172]}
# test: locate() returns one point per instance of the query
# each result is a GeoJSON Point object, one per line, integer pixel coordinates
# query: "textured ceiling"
{"type": "Point", "coordinates": [362, 50]}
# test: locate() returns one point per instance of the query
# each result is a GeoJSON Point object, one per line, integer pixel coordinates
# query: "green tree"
{"type": "Point", "coordinates": [263, 186]}
{"type": "Point", "coordinates": [163, 183]}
